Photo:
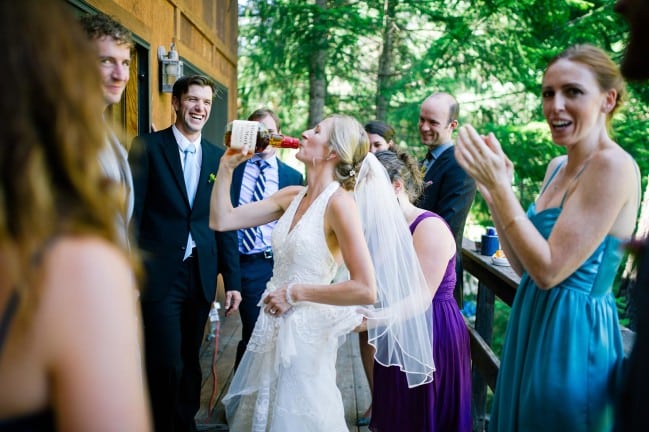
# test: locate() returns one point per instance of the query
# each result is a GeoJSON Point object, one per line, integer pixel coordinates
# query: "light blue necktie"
{"type": "Point", "coordinates": [250, 234]}
{"type": "Point", "coordinates": [190, 172]}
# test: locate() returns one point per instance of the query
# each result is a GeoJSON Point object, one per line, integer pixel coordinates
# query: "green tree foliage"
{"type": "Point", "coordinates": [490, 54]}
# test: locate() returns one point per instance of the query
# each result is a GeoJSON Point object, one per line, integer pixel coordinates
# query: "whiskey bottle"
{"type": "Point", "coordinates": [241, 132]}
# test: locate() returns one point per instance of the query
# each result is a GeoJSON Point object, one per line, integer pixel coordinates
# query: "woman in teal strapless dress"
{"type": "Point", "coordinates": [563, 346]}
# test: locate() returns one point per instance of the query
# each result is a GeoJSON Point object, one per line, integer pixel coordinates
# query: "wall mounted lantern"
{"type": "Point", "coordinates": [171, 67]}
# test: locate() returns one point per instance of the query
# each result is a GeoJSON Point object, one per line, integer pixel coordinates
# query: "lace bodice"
{"type": "Point", "coordinates": [301, 254]}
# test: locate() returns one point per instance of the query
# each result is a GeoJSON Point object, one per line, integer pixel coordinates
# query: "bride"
{"type": "Point", "coordinates": [287, 379]}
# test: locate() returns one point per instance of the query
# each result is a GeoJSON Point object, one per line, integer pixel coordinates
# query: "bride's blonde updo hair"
{"type": "Point", "coordinates": [351, 143]}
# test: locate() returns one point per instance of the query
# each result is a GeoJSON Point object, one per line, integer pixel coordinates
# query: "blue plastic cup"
{"type": "Point", "coordinates": [490, 243]}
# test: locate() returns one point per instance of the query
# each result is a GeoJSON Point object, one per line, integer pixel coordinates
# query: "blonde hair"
{"type": "Point", "coordinates": [351, 143]}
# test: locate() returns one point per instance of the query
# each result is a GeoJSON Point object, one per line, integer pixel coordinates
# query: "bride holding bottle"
{"type": "Point", "coordinates": [287, 378]}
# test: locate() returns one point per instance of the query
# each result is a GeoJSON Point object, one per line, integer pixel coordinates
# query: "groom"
{"type": "Point", "coordinates": [182, 255]}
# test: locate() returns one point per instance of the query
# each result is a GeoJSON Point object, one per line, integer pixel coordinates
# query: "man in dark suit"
{"type": "Point", "coordinates": [631, 412]}
{"type": "Point", "coordinates": [182, 255]}
{"type": "Point", "coordinates": [257, 262]}
{"type": "Point", "coordinates": [449, 190]}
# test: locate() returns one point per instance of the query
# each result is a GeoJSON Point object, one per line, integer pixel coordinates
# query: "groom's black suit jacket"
{"type": "Point", "coordinates": [163, 217]}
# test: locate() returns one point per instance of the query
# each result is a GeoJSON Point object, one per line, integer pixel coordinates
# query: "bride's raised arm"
{"type": "Point", "coordinates": [225, 217]}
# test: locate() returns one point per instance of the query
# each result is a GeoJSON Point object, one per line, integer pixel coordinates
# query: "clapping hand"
{"type": "Point", "coordinates": [482, 157]}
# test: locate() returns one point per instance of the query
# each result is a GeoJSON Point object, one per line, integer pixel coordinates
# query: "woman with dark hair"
{"type": "Point", "coordinates": [381, 136]}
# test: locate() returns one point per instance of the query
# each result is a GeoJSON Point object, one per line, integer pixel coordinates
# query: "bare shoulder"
{"type": "Point", "coordinates": [613, 164]}
{"type": "Point", "coordinates": [430, 225]}
{"type": "Point", "coordinates": [342, 201]}
{"type": "Point", "coordinates": [554, 163]}
{"type": "Point", "coordinates": [341, 213]}
{"type": "Point", "coordinates": [611, 183]}
{"type": "Point", "coordinates": [285, 196]}
{"type": "Point", "coordinates": [84, 254]}
{"type": "Point", "coordinates": [616, 156]}
{"type": "Point", "coordinates": [86, 268]}
{"type": "Point", "coordinates": [433, 227]}
{"type": "Point", "coordinates": [86, 282]}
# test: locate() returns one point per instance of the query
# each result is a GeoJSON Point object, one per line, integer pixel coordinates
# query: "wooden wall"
{"type": "Point", "coordinates": [205, 33]}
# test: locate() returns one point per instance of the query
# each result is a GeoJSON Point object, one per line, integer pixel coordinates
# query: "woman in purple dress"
{"type": "Point", "coordinates": [445, 403]}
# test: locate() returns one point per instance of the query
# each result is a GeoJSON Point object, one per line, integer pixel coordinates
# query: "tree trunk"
{"type": "Point", "coordinates": [386, 60]}
{"type": "Point", "coordinates": [317, 64]}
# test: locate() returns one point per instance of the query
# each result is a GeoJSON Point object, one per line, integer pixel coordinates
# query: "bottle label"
{"type": "Point", "coordinates": [244, 132]}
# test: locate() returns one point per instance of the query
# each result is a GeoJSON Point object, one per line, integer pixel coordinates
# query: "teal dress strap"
{"type": "Point", "coordinates": [554, 173]}
{"type": "Point", "coordinates": [581, 170]}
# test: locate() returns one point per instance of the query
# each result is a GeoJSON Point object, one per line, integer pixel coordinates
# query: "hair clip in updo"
{"type": "Point", "coordinates": [352, 173]}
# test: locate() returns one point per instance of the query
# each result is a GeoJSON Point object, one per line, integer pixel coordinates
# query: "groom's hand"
{"type": "Point", "coordinates": [232, 300]}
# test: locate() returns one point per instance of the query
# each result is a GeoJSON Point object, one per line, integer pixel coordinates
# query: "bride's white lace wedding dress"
{"type": "Point", "coordinates": [287, 378]}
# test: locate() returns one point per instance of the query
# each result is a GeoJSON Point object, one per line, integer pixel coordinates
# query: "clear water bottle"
{"type": "Point", "coordinates": [214, 318]}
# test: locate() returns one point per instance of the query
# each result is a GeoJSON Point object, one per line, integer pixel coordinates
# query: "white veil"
{"type": "Point", "coordinates": [400, 326]}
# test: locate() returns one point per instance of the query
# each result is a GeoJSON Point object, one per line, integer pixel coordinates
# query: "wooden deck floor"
{"type": "Point", "coordinates": [350, 377]}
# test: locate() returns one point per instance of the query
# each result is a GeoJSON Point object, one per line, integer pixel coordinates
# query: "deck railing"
{"type": "Point", "coordinates": [493, 281]}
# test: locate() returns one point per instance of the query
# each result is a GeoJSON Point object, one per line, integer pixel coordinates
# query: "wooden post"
{"type": "Point", "coordinates": [484, 326]}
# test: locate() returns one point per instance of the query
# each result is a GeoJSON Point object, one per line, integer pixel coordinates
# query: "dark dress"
{"type": "Point", "coordinates": [631, 412]}
{"type": "Point", "coordinates": [443, 405]}
{"type": "Point", "coordinates": [37, 422]}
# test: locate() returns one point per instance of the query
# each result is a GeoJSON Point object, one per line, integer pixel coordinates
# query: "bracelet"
{"type": "Point", "coordinates": [289, 298]}
{"type": "Point", "coordinates": [512, 222]}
